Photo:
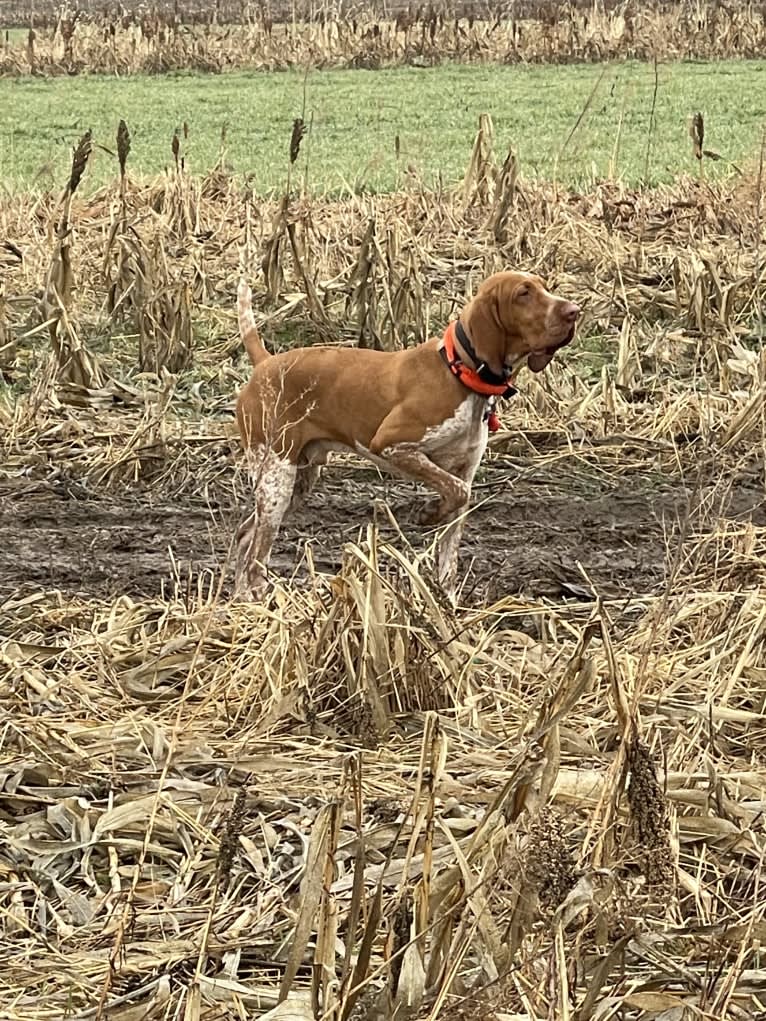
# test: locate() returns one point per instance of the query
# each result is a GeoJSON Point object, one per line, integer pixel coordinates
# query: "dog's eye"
{"type": "Point", "coordinates": [523, 292]}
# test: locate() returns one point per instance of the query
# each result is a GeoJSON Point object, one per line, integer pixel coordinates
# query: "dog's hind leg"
{"type": "Point", "coordinates": [273, 480]}
{"type": "Point", "coordinates": [312, 457]}
{"type": "Point", "coordinates": [306, 479]}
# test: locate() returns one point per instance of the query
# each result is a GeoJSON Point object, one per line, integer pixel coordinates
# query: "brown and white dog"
{"type": "Point", "coordinates": [422, 413]}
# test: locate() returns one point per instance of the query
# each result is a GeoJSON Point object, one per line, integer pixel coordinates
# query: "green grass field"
{"type": "Point", "coordinates": [358, 114]}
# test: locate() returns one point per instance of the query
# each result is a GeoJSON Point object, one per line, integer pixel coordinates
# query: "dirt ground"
{"type": "Point", "coordinates": [525, 536]}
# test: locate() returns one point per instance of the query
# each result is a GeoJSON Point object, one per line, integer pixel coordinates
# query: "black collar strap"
{"type": "Point", "coordinates": [483, 371]}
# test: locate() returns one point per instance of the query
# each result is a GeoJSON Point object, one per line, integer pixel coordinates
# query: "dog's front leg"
{"type": "Point", "coordinates": [454, 494]}
{"type": "Point", "coordinates": [448, 546]}
{"type": "Point", "coordinates": [447, 550]}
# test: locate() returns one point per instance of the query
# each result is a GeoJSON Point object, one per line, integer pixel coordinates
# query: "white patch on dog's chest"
{"type": "Point", "coordinates": [465, 428]}
{"type": "Point", "coordinates": [456, 445]}
{"type": "Point", "coordinates": [461, 438]}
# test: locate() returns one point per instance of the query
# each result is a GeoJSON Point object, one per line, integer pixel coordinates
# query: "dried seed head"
{"type": "Point", "coordinates": [548, 863]}
{"type": "Point", "coordinates": [645, 796]}
{"type": "Point", "coordinates": [80, 158]}
{"type": "Point", "coordinates": [697, 132]}
{"type": "Point", "coordinates": [230, 838]}
{"type": "Point", "coordinates": [400, 936]}
{"type": "Point", "coordinates": [175, 145]}
{"type": "Point", "coordinates": [364, 724]}
{"type": "Point", "coordinates": [649, 811]}
{"type": "Point", "coordinates": [299, 130]}
{"type": "Point", "coordinates": [123, 145]}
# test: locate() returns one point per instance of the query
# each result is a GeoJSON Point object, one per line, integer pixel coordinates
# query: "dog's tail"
{"type": "Point", "coordinates": [248, 331]}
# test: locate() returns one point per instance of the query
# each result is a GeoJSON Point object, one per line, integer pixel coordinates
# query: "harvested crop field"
{"type": "Point", "coordinates": [357, 798]}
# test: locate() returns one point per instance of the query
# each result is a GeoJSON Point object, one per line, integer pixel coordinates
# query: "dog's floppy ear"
{"type": "Point", "coordinates": [482, 322]}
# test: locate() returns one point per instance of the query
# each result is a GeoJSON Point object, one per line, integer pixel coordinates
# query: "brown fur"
{"type": "Point", "coordinates": [395, 407]}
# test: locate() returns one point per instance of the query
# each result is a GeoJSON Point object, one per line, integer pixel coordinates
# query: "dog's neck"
{"type": "Point", "coordinates": [502, 371]}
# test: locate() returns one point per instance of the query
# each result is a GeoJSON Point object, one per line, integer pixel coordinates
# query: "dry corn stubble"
{"type": "Point", "coordinates": [154, 41]}
{"type": "Point", "coordinates": [406, 765]}
{"type": "Point", "coordinates": [73, 363]}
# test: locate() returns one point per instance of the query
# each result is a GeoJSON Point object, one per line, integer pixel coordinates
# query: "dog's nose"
{"type": "Point", "coordinates": [570, 311]}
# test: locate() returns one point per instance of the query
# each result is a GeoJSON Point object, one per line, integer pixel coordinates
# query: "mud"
{"type": "Point", "coordinates": [523, 537]}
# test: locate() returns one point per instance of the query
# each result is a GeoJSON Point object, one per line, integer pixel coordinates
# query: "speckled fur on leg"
{"type": "Point", "coordinates": [273, 480]}
{"type": "Point", "coordinates": [448, 546]}
{"type": "Point", "coordinates": [447, 549]}
{"type": "Point", "coordinates": [446, 460]}
{"type": "Point", "coordinates": [453, 492]}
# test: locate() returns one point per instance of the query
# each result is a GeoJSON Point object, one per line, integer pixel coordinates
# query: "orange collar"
{"type": "Point", "coordinates": [470, 377]}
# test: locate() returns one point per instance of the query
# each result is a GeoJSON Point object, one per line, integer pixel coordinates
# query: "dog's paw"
{"type": "Point", "coordinates": [431, 515]}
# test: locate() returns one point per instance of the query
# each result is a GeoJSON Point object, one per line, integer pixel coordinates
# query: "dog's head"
{"type": "Point", "coordinates": [513, 316]}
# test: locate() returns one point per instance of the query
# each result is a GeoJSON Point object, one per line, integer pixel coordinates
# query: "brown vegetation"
{"type": "Point", "coordinates": [355, 801]}
{"type": "Point", "coordinates": [158, 40]}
